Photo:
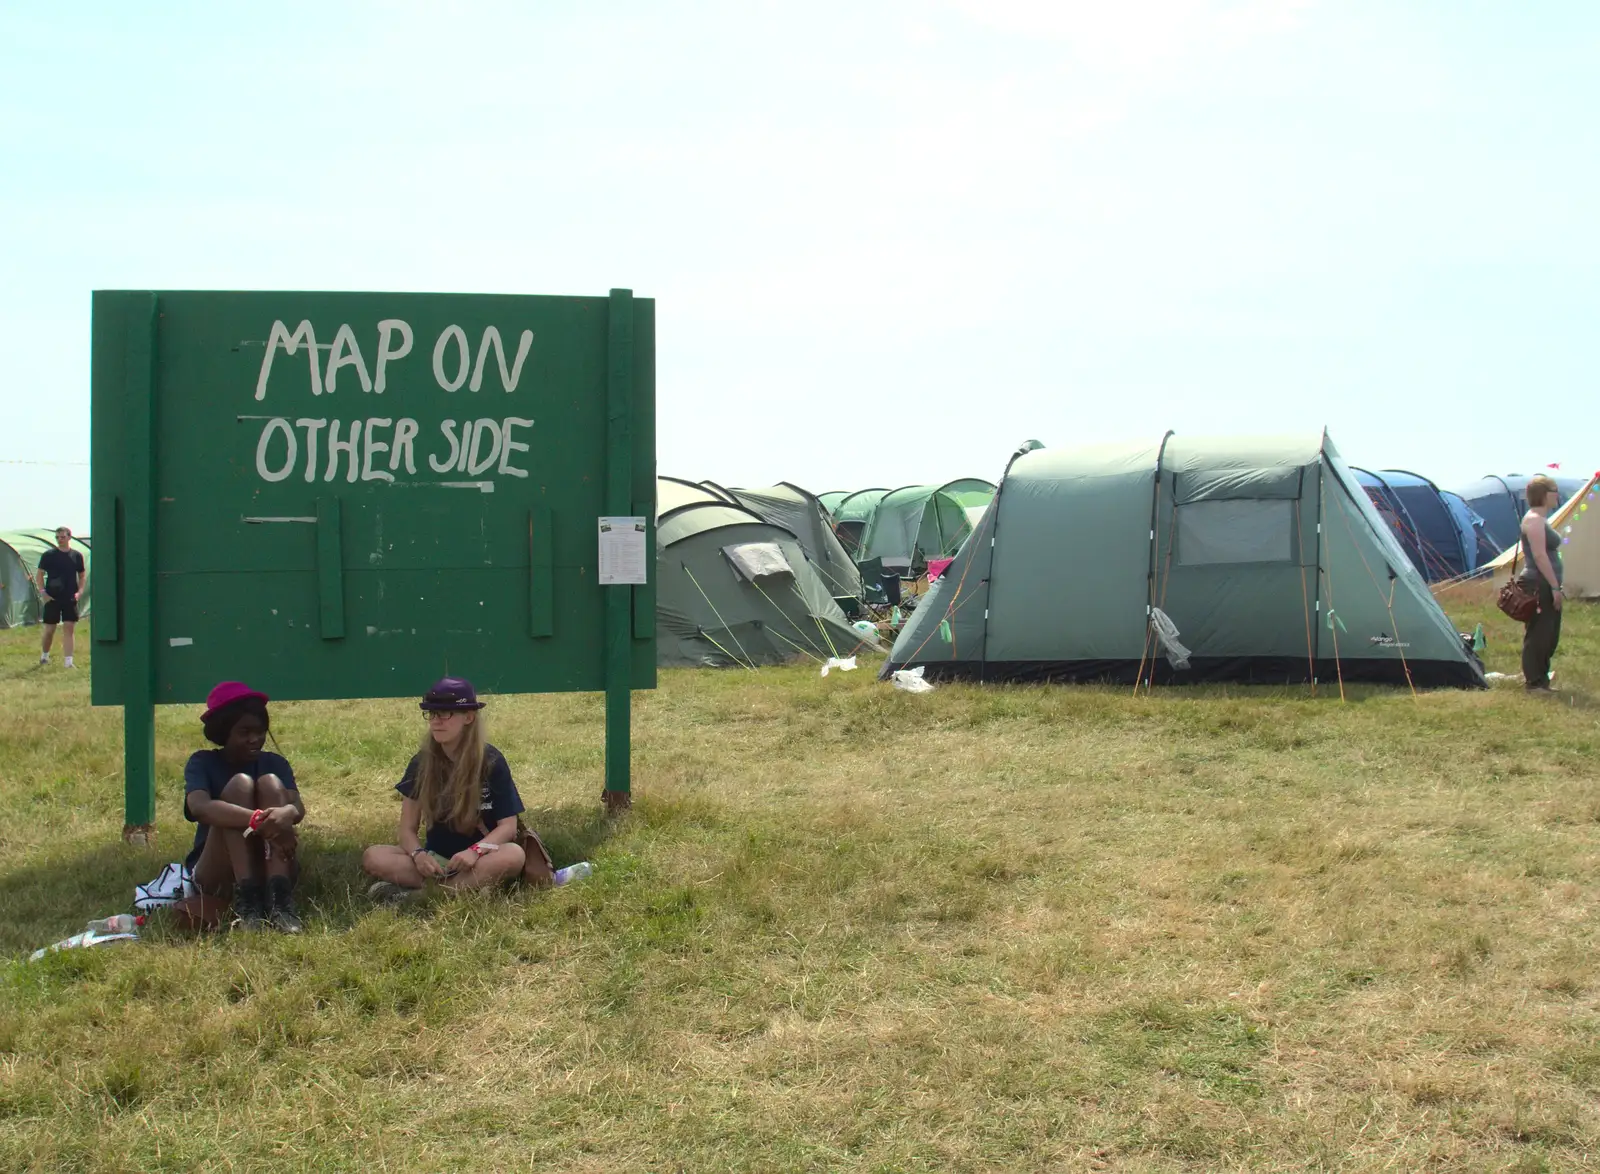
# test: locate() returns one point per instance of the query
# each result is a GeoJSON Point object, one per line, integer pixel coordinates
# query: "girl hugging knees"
{"type": "Point", "coordinates": [246, 804]}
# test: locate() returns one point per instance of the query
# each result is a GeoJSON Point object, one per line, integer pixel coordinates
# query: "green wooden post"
{"type": "Point", "coordinates": [140, 322]}
{"type": "Point", "coordinates": [619, 602]}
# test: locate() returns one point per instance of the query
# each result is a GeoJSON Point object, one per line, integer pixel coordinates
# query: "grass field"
{"type": "Point", "coordinates": [848, 928]}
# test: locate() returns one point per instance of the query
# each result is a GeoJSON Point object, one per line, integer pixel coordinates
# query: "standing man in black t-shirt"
{"type": "Point", "coordinates": [60, 577]}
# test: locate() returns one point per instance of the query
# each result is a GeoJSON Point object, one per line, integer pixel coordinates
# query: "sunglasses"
{"type": "Point", "coordinates": [441, 715]}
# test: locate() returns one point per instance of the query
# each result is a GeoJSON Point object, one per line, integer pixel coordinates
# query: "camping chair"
{"type": "Point", "coordinates": [873, 592]}
{"type": "Point", "coordinates": [879, 590]}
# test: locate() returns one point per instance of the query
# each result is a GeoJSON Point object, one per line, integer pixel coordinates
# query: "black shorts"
{"type": "Point", "coordinates": [61, 611]}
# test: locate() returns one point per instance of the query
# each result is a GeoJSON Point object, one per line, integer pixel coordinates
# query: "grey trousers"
{"type": "Point", "coordinates": [1539, 640]}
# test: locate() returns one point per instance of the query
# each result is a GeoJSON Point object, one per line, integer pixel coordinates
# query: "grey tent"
{"type": "Point", "coordinates": [799, 512]}
{"type": "Point", "coordinates": [732, 588]}
{"type": "Point", "coordinates": [19, 556]}
{"type": "Point", "coordinates": [1235, 559]}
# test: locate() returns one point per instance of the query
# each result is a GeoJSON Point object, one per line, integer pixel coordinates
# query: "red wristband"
{"type": "Point", "coordinates": [256, 820]}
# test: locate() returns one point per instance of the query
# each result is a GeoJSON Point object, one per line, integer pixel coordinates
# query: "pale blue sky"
{"type": "Point", "coordinates": [888, 241]}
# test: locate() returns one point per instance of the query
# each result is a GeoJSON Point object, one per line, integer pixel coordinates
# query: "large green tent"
{"type": "Point", "coordinates": [832, 498]}
{"type": "Point", "coordinates": [19, 556]}
{"type": "Point", "coordinates": [732, 588]}
{"type": "Point", "coordinates": [852, 514]}
{"type": "Point", "coordinates": [915, 523]}
{"type": "Point", "coordinates": [1263, 559]}
{"type": "Point", "coordinates": [799, 512]}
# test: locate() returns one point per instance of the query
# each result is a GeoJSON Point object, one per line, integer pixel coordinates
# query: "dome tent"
{"type": "Point", "coordinates": [917, 522]}
{"type": "Point", "coordinates": [1264, 553]}
{"type": "Point", "coordinates": [1438, 531]}
{"type": "Point", "coordinates": [799, 512]}
{"type": "Point", "coordinates": [852, 514]}
{"type": "Point", "coordinates": [734, 589]}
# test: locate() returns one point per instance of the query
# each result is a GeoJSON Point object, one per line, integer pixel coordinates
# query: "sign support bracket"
{"type": "Point", "coordinates": [137, 578]}
{"type": "Point", "coordinates": [618, 795]}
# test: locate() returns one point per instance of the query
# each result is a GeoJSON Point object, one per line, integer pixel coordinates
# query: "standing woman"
{"type": "Point", "coordinates": [1541, 573]}
{"type": "Point", "coordinates": [246, 802]}
{"type": "Point", "coordinates": [462, 787]}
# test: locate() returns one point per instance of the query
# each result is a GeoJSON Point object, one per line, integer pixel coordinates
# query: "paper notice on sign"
{"type": "Point", "coordinates": [623, 558]}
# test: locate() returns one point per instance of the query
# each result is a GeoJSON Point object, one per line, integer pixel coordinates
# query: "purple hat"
{"type": "Point", "coordinates": [226, 693]}
{"type": "Point", "coordinates": [450, 693]}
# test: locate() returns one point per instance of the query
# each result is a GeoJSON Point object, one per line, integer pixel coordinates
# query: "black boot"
{"type": "Point", "coordinates": [249, 904]}
{"type": "Point", "coordinates": [283, 916]}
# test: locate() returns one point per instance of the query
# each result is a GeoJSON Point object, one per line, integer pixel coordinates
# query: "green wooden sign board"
{"type": "Point", "coordinates": [353, 494]}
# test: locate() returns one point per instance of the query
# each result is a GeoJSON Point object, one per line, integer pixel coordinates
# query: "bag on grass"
{"type": "Point", "coordinates": [537, 867]}
{"type": "Point", "coordinates": [173, 885]}
{"type": "Point", "coordinates": [199, 913]}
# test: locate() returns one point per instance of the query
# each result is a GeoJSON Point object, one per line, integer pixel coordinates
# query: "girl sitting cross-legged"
{"type": "Point", "coordinates": [462, 787]}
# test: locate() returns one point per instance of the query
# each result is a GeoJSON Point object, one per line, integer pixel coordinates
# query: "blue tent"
{"type": "Point", "coordinates": [1469, 522]}
{"type": "Point", "coordinates": [1439, 531]}
{"type": "Point", "coordinates": [1501, 502]}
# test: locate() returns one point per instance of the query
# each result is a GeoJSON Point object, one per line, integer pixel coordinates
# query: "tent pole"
{"type": "Point", "coordinates": [618, 625]}
{"type": "Point", "coordinates": [1316, 593]}
{"type": "Point", "coordinates": [1150, 574]}
{"type": "Point", "coordinates": [987, 582]}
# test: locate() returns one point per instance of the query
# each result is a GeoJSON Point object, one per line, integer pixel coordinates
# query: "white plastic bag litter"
{"type": "Point", "coordinates": [911, 680]}
{"type": "Point", "coordinates": [844, 665]}
{"type": "Point", "coordinates": [1167, 634]}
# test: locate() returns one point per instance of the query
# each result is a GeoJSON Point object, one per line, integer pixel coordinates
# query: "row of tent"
{"type": "Point", "coordinates": [1257, 560]}
{"type": "Point", "coordinates": [1238, 559]}
{"type": "Point", "coordinates": [1453, 534]}
{"type": "Point", "coordinates": [760, 576]}
{"type": "Point", "coordinates": [19, 557]}
{"type": "Point", "coordinates": [1446, 534]}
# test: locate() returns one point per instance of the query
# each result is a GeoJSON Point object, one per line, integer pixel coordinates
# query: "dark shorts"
{"type": "Point", "coordinates": [57, 611]}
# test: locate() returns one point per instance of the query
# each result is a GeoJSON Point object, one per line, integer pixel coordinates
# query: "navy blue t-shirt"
{"type": "Point", "coordinates": [209, 771]}
{"type": "Point", "coordinates": [61, 570]}
{"type": "Point", "coordinates": [498, 799]}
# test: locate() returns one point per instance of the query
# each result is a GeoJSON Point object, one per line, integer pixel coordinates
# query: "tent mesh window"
{"type": "Point", "coordinates": [1242, 531]}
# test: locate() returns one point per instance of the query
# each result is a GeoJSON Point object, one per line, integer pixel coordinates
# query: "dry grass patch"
{"type": "Point", "coordinates": [851, 929]}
